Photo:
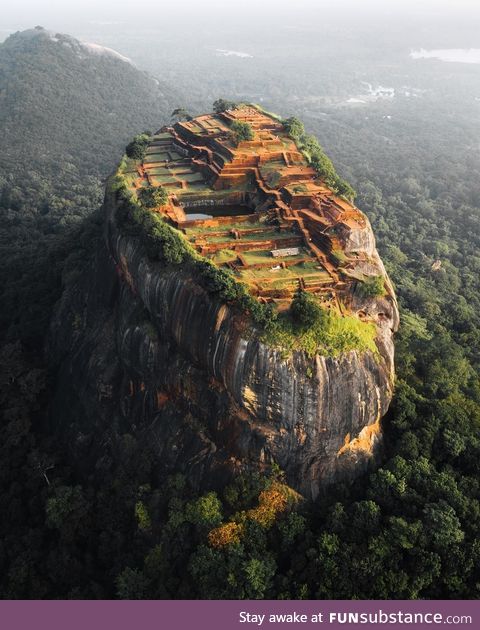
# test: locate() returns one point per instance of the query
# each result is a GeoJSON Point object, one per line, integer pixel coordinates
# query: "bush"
{"type": "Point", "coordinates": [153, 196]}
{"type": "Point", "coordinates": [181, 114]}
{"type": "Point", "coordinates": [305, 310]}
{"type": "Point", "coordinates": [161, 241]}
{"type": "Point", "coordinates": [218, 281]}
{"type": "Point", "coordinates": [372, 287]}
{"type": "Point", "coordinates": [317, 158]}
{"type": "Point", "coordinates": [242, 131]}
{"type": "Point", "coordinates": [294, 127]}
{"type": "Point", "coordinates": [137, 147]}
{"type": "Point", "coordinates": [344, 188]}
{"type": "Point", "coordinates": [222, 105]}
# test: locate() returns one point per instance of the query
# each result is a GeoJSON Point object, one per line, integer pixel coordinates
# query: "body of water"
{"type": "Point", "coordinates": [457, 55]}
{"type": "Point", "coordinates": [209, 211]}
{"type": "Point", "coordinates": [196, 216]}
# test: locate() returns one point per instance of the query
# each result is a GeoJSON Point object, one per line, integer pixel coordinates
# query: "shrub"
{"type": "Point", "coordinates": [299, 188]}
{"type": "Point", "coordinates": [294, 127]}
{"type": "Point", "coordinates": [219, 281]}
{"type": "Point", "coordinates": [153, 196]}
{"type": "Point", "coordinates": [181, 113]}
{"type": "Point", "coordinates": [164, 243]}
{"type": "Point", "coordinates": [317, 158]}
{"type": "Point", "coordinates": [222, 105]}
{"type": "Point", "coordinates": [242, 131]}
{"type": "Point", "coordinates": [372, 287]}
{"type": "Point", "coordinates": [344, 188]}
{"type": "Point", "coordinates": [305, 310]}
{"type": "Point", "coordinates": [161, 241]}
{"type": "Point", "coordinates": [137, 147]}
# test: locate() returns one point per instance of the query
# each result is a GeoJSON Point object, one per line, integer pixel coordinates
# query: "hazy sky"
{"type": "Point", "coordinates": [54, 13]}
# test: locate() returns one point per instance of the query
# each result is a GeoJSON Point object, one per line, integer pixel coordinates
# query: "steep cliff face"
{"type": "Point", "coordinates": [144, 347]}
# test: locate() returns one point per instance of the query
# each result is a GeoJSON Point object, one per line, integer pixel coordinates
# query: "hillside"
{"type": "Point", "coordinates": [64, 101]}
{"type": "Point", "coordinates": [66, 110]}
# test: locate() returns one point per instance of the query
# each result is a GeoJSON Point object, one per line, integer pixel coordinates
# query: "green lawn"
{"type": "Point", "coordinates": [269, 235]}
{"type": "Point", "coordinates": [196, 231]}
{"type": "Point", "coordinates": [223, 256]}
{"type": "Point", "coordinates": [159, 170]}
{"type": "Point", "coordinates": [155, 157]}
{"type": "Point", "coordinates": [180, 170]}
{"type": "Point", "coordinates": [259, 256]}
{"type": "Point", "coordinates": [192, 177]}
{"type": "Point", "coordinates": [163, 180]}
{"type": "Point", "coordinates": [264, 255]}
{"type": "Point", "coordinates": [162, 136]}
{"type": "Point", "coordinates": [306, 268]}
{"type": "Point", "coordinates": [283, 278]}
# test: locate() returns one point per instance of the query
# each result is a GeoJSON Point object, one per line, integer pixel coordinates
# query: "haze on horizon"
{"type": "Point", "coordinates": [57, 14]}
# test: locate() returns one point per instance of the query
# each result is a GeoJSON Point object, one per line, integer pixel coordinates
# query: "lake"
{"type": "Point", "coordinates": [458, 55]}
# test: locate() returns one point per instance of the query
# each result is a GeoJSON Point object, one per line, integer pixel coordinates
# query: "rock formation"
{"type": "Point", "coordinates": [143, 347]}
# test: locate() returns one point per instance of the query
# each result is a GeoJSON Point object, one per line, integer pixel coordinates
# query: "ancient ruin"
{"type": "Point", "coordinates": [256, 206]}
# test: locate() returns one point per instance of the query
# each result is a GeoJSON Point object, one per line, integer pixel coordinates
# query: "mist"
{"type": "Point", "coordinates": [74, 15]}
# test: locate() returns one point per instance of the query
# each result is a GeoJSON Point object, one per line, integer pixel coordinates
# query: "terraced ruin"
{"type": "Point", "coordinates": [256, 207]}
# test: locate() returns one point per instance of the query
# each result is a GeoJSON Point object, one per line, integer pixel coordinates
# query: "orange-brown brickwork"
{"type": "Point", "coordinates": [238, 202]}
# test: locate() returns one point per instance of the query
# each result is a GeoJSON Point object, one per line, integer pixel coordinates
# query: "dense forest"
{"type": "Point", "coordinates": [409, 529]}
{"type": "Point", "coordinates": [65, 115]}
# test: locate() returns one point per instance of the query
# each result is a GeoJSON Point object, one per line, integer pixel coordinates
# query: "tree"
{"type": "Point", "coordinates": [258, 576]}
{"type": "Point", "coordinates": [294, 127]}
{"type": "Point", "coordinates": [131, 584]}
{"type": "Point", "coordinates": [153, 196]}
{"type": "Point", "coordinates": [305, 309]}
{"type": "Point", "coordinates": [181, 114]}
{"type": "Point", "coordinates": [222, 105]}
{"type": "Point", "coordinates": [443, 525]}
{"type": "Point", "coordinates": [142, 516]}
{"type": "Point", "coordinates": [67, 511]}
{"type": "Point", "coordinates": [242, 131]}
{"type": "Point", "coordinates": [205, 511]}
{"type": "Point", "coordinates": [137, 147]}
{"type": "Point", "coordinates": [372, 287]}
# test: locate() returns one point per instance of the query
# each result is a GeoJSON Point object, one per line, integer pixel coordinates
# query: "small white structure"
{"type": "Point", "coordinates": [288, 251]}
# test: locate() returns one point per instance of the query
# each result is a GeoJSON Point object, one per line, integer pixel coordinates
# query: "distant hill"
{"type": "Point", "coordinates": [66, 111]}
{"type": "Point", "coordinates": [61, 99]}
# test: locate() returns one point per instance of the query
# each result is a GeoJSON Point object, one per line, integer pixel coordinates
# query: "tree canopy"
{"type": "Point", "coordinates": [153, 196]}
{"type": "Point", "coordinates": [222, 105]}
{"type": "Point", "coordinates": [242, 131]}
